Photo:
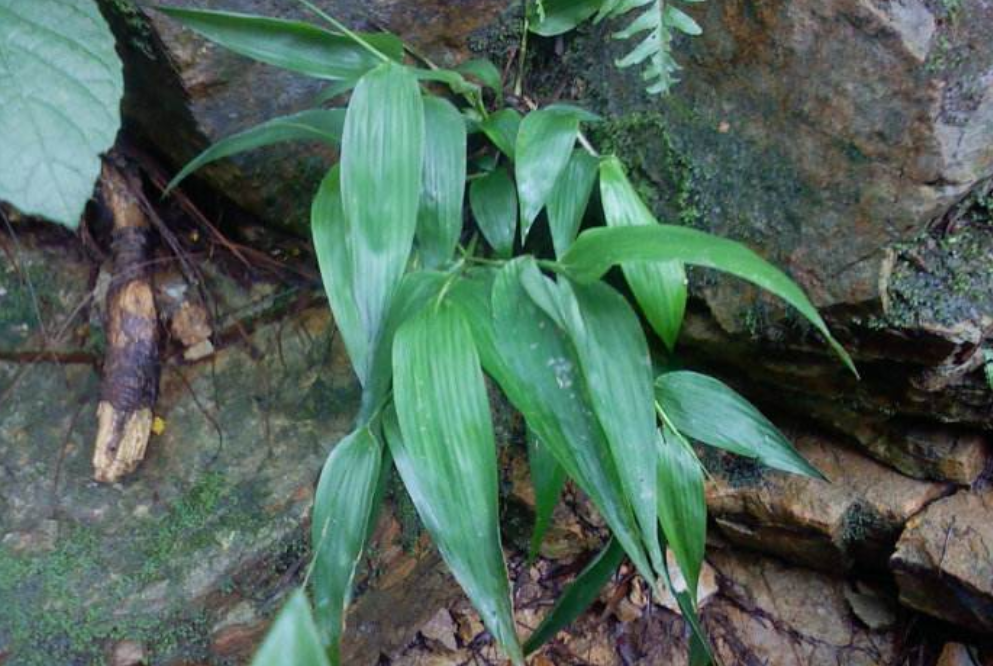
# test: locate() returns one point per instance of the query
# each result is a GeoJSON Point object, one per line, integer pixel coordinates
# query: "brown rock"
{"type": "Point", "coordinates": [857, 513]}
{"type": "Point", "coordinates": [128, 653]}
{"type": "Point", "coordinates": [944, 560]}
{"type": "Point", "coordinates": [441, 630]}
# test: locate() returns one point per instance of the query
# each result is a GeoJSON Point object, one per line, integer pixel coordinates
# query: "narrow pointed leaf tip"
{"type": "Point", "coordinates": [596, 250]}
{"type": "Point", "coordinates": [293, 45]}
{"type": "Point", "coordinates": [445, 452]}
{"type": "Point", "coordinates": [323, 125]}
{"type": "Point", "coordinates": [710, 411]}
{"type": "Point", "coordinates": [343, 509]}
{"type": "Point", "coordinates": [293, 638]}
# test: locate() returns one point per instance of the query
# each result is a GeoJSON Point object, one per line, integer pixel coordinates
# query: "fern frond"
{"type": "Point", "coordinates": [658, 20]}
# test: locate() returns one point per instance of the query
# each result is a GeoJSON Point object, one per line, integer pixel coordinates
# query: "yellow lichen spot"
{"type": "Point", "coordinates": [158, 426]}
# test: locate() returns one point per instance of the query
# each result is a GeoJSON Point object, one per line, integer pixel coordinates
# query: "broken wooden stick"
{"type": "Point", "coordinates": [131, 365]}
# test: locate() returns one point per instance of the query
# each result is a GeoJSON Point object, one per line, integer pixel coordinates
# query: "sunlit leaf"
{"type": "Point", "coordinates": [381, 167]}
{"type": "Point", "coordinates": [578, 596]}
{"type": "Point", "coordinates": [323, 125]}
{"type": "Point", "coordinates": [60, 96]}
{"type": "Point", "coordinates": [439, 220]}
{"type": "Point", "coordinates": [293, 45]}
{"type": "Point", "coordinates": [502, 129]}
{"type": "Point", "coordinates": [544, 146]}
{"type": "Point", "coordinates": [659, 287]}
{"type": "Point", "coordinates": [568, 201]}
{"type": "Point", "coordinates": [548, 478]}
{"type": "Point", "coordinates": [682, 507]}
{"type": "Point", "coordinates": [545, 383]}
{"type": "Point", "coordinates": [446, 455]}
{"type": "Point", "coordinates": [343, 507]}
{"type": "Point", "coordinates": [596, 250]}
{"type": "Point", "coordinates": [493, 199]}
{"type": "Point", "coordinates": [293, 638]}
{"type": "Point", "coordinates": [710, 411]}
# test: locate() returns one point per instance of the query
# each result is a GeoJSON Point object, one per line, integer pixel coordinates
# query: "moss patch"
{"type": "Point", "coordinates": [60, 606]}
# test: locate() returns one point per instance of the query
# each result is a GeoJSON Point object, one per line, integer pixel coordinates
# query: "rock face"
{"type": "Point", "coordinates": [186, 560]}
{"type": "Point", "coordinates": [944, 561]}
{"type": "Point", "coordinates": [856, 515]}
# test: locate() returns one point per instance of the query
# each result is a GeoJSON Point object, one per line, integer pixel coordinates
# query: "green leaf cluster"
{"type": "Point", "coordinates": [434, 291]}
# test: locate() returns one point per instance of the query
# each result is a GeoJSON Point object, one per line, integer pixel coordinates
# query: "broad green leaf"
{"type": "Point", "coordinates": [314, 125]}
{"type": "Point", "coordinates": [457, 83]}
{"type": "Point", "coordinates": [484, 71]}
{"type": "Point", "coordinates": [439, 219]}
{"type": "Point", "coordinates": [544, 382]}
{"type": "Point", "coordinates": [561, 16]}
{"type": "Point", "coordinates": [60, 92]}
{"type": "Point", "coordinates": [577, 112]}
{"type": "Point", "coordinates": [381, 165]}
{"type": "Point", "coordinates": [493, 199]}
{"type": "Point", "coordinates": [568, 201]}
{"type": "Point", "coordinates": [616, 364]}
{"type": "Point", "coordinates": [331, 243]}
{"type": "Point", "coordinates": [416, 290]}
{"type": "Point", "coordinates": [659, 287]}
{"type": "Point", "coordinates": [682, 507]}
{"type": "Point", "coordinates": [548, 478]}
{"type": "Point", "coordinates": [709, 410]}
{"type": "Point", "coordinates": [343, 508]}
{"type": "Point", "coordinates": [580, 594]}
{"type": "Point", "coordinates": [596, 250]}
{"type": "Point", "coordinates": [293, 637]}
{"type": "Point", "coordinates": [502, 129]}
{"type": "Point", "coordinates": [293, 45]}
{"type": "Point", "coordinates": [446, 456]}
{"type": "Point", "coordinates": [544, 146]}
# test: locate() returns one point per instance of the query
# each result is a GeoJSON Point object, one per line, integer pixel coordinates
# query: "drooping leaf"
{"type": "Point", "coordinates": [580, 594]}
{"type": "Point", "coordinates": [343, 507]}
{"type": "Point", "coordinates": [502, 129]}
{"type": "Point", "coordinates": [381, 166]}
{"type": "Point", "coordinates": [323, 125]}
{"type": "Point", "coordinates": [561, 16]}
{"type": "Point", "coordinates": [457, 83]}
{"type": "Point", "coordinates": [446, 455]}
{"type": "Point", "coordinates": [548, 478]}
{"type": "Point", "coordinates": [568, 201]}
{"type": "Point", "coordinates": [331, 243]}
{"type": "Point", "coordinates": [493, 199]}
{"type": "Point", "coordinates": [544, 146]}
{"type": "Point", "coordinates": [61, 86]}
{"type": "Point", "coordinates": [293, 45]}
{"type": "Point", "coordinates": [484, 71]}
{"type": "Point", "coordinates": [439, 220]}
{"type": "Point", "coordinates": [293, 638]}
{"type": "Point", "coordinates": [596, 250]}
{"type": "Point", "coordinates": [710, 411]}
{"type": "Point", "coordinates": [617, 367]}
{"type": "Point", "coordinates": [545, 383]}
{"type": "Point", "coordinates": [682, 507]}
{"type": "Point", "coordinates": [659, 287]}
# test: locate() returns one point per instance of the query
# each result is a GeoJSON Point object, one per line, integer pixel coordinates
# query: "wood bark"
{"type": "Point", "coordinates": [131, 366]}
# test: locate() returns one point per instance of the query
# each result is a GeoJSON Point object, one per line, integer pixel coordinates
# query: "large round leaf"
{"type": "Point", "coordinates": [60, 105]}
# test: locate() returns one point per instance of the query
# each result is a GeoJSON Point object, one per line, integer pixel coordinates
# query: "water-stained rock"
{"type": "Point", "coordinates": [944, 561]}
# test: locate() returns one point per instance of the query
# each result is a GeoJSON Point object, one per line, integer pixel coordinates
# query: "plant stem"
{"type": "Point", "coordinates": [522, 53]}
{"type": "Point", "coordinates": [343, 29]}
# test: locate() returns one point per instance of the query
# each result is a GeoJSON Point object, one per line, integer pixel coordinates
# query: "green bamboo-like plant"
{"type": "Point", "coordinates": [424, 320]}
